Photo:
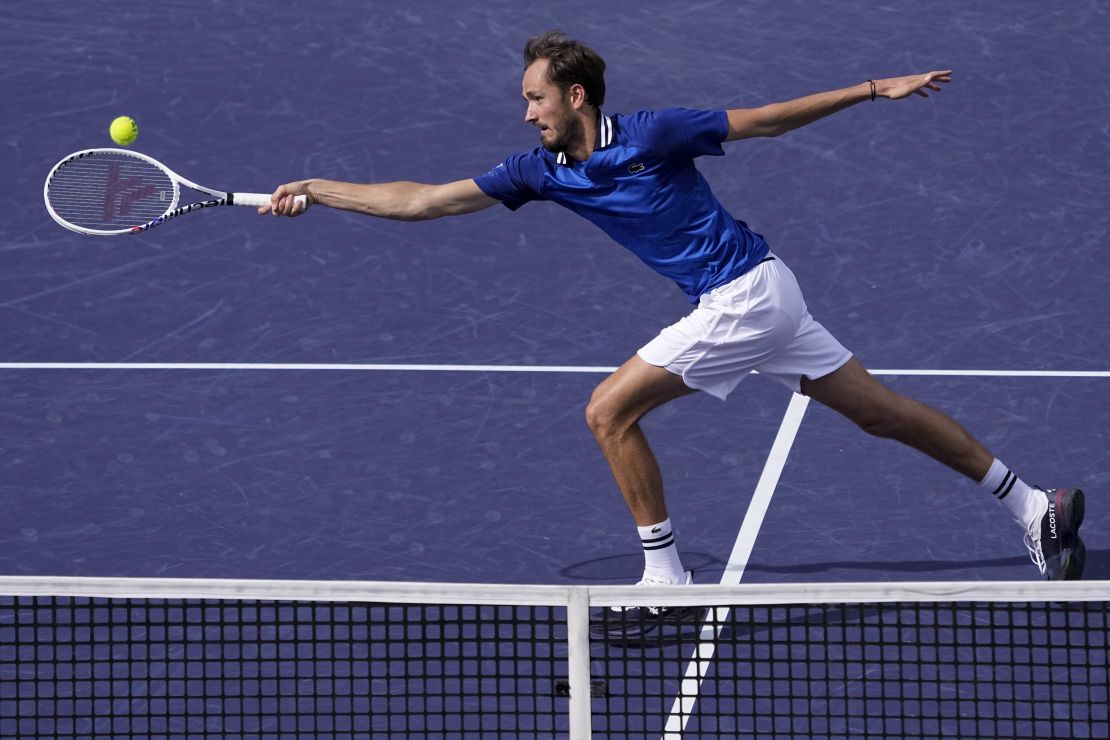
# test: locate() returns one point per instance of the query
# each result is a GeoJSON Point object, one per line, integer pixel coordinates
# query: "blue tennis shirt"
{"type": "Point", "coordinates": [640, 186]}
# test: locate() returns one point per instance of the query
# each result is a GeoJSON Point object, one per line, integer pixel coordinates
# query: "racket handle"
{"type": "Point", "coordinates": [254, 200]}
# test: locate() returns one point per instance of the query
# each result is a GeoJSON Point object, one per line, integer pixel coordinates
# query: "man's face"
{"type": "Point", "coordinates": [550, 110]}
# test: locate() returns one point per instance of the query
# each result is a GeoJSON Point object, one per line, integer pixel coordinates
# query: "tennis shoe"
{"type": "Point", "coordinates": [632, 623]}
{"type": "Point", "coordinates": [1053, 536]}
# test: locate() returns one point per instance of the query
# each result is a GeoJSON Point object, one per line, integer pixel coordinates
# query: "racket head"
{"type": "Point", "coordinates": [106, 192]}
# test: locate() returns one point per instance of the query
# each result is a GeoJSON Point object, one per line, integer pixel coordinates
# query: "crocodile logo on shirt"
{"type": "Point", "coordinates": [635, 167]}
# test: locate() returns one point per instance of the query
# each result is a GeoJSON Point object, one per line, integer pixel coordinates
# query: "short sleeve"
{"type": "Point", "coordinates": [682, 132]}
{"type": "Point", "coordinates": [515, 181]}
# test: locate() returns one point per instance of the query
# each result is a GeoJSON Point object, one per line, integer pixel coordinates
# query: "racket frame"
{"type": "Point", "coordinates": [219, 197]}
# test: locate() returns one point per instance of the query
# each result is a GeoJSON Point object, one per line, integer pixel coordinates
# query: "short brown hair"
{"type": "Point", "coordinates": [569, 63]}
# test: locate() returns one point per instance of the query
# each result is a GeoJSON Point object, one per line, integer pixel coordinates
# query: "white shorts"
{"type": "Point", "coordinates": [759, 321]}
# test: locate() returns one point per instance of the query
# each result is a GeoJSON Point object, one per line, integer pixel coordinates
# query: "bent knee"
{"type": "Point", "coordinates": [880, 425]}
{"type": "Point", "coordinates": [601, 417]}
{"type": "Point", "coordinates": [888, 418]}
{"type": "Point", "coordinates": [605, 416]}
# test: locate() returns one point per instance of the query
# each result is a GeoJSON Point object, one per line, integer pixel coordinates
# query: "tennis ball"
{"type": "Point", "coordinates": [124, 130]}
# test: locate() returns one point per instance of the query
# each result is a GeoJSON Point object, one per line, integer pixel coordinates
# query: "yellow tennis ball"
{"type": "Point", "coordinates": [124, 130]}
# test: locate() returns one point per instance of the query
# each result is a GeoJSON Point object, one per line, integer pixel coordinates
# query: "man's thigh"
{"type": "Point", "coordinates": [637, 387]}
{"type": "Point", "coordinates": [852, 391]}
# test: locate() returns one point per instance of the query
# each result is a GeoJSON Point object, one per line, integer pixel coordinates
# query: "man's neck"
{"type": "Point", "coordinates": [585, 148]}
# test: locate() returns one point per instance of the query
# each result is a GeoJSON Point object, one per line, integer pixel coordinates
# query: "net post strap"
{"type": "Point", "coordinates": [578, 661]}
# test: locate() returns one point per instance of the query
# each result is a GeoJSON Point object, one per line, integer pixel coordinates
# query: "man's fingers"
{"type": "Point", "coordinates": [288, 205]}
{"type": "Point", "coordinates": [288, 200]}
{"type": "Point", "coordinates": [279, 201]}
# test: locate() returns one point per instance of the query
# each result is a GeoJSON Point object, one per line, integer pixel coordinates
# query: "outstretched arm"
{"type": "Point", "coordinates": [778, 118]}
{"type": "Point", "coordinates": [403, 201]}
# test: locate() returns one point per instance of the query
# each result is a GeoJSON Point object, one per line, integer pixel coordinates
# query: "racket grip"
{"type": "Point", "coordinates": [255, 200]}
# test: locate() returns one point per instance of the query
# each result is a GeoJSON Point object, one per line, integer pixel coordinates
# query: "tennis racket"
{"type": "Point", "coordinates": [116, 191]}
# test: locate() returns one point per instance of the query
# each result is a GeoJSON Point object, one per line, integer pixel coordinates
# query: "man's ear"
{"type": "Point", "coordinates": [577, 95]}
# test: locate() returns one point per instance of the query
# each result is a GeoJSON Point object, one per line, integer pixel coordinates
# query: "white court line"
{"type": "Point", "coordinates": [999, 373]}
{"type": "Point", "coordinates": [764, 489]}
{"type": "Point", "coordinates": [683, 707]}
{"type": "Point", "coordinates": [403, 367]}
{"type": "Point", "coordinates": [399, 367]}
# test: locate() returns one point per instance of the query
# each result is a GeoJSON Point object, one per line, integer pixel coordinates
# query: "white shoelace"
{"type": "Point", "coordinates": [1033, 544]}
{"type": "Point", "coordinates": [649, 580]}
{"type": "Point", "coordinates": [1033, 540]}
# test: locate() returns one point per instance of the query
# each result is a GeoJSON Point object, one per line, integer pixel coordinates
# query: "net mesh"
{"type": "Point", "coordinates": [109, 191]}
{"type": "Point", "coordinates": [932, 669]}
{"type": "Point", "coordinates": [80, 667]}
{"type": "Point", "coordinates": [290, 666]}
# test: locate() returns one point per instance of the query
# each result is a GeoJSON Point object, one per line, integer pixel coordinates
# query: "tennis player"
{"type": "Point", "coordinates": [634, 176]}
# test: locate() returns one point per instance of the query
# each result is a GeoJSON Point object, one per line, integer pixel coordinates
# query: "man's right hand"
{"type": "Point", "coordinates": [284, 200]}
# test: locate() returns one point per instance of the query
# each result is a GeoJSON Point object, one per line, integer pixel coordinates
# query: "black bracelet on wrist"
{"type": "Point", "coordinates": [872, 89]}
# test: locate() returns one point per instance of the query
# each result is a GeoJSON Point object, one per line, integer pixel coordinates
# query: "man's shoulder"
{"type": "Point", "coordinates": [539, 154]}
{"type": "Point", "coordinates": [634, 121]}
{"type": "Point", "coordinates": [646, 122]}
{"type": "Point", "coordinates": [664, 129]}
{"type": "Point", "coordinates": [520, 171]}
{"type": "Point", "coordinates": [531, 159]}
{"type": "Point", "coordinates": [524, 161]}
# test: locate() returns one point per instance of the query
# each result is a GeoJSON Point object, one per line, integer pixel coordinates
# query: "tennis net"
{"type": "Point", "coordinates": [84, 657]}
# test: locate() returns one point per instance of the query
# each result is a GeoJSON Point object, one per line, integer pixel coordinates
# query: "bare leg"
{"type": "Point", "coordinates": [854, 392]}
{"type": "Point", "coordinates": [613, 415]}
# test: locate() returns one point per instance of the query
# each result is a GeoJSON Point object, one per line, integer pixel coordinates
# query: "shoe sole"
{"type": "Point", "coordinates": [1071, 504]}
{"type": "Point", "coordinates": [618, 630]}
{"type": "Point", "coordinates": [1073, 563]}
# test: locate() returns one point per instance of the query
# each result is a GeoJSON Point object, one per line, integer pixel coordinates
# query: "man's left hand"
{"type": "Point", "coordinates": [901, 87]}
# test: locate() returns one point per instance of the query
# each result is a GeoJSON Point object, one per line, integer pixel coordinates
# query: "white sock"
{"type": "Point", "coordinates": [1022, 501]}
{"type": "Point", "coordinates": [661, 559]}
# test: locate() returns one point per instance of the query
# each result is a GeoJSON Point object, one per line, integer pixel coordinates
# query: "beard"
{"type": "Point", "coordinates": [573, 133]}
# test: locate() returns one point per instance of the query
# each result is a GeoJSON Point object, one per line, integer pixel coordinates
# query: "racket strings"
{"type": "Point", "coordinates": [108, 191]}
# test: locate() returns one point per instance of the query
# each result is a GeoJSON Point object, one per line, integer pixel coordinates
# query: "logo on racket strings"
{"type": "Point", "coordinates": [128, 190]}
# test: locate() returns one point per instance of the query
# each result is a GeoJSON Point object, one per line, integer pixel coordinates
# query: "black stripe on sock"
{"type": "Point", "coordinates": [657, 539]}
{"type": "Point", "coordinates": [1012, 482]}
{"type": "Point", "coordinates": [660, 547]}
{"type": "Point", "coordinates": [1009, 478]}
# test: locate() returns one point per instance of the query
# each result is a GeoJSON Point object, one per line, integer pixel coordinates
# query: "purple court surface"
{"type": "Point", "coordinates": [337, 397]}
